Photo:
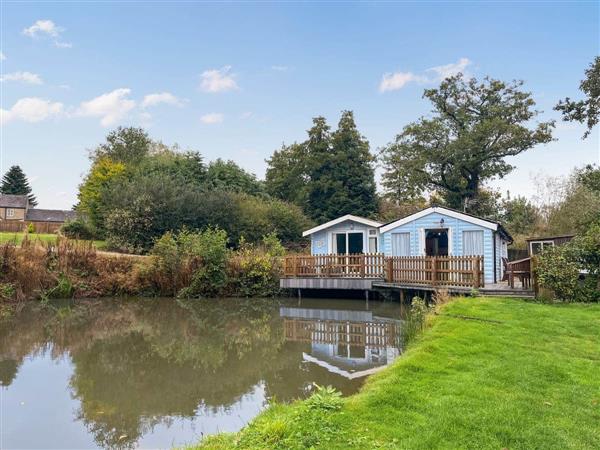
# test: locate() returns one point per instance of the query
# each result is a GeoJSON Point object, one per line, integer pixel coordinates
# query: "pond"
{"type": "Point", "coordinates": [158, 373]}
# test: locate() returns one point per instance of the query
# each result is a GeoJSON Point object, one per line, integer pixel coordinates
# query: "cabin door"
{"type": "Point", "coordinates": [436, 242]}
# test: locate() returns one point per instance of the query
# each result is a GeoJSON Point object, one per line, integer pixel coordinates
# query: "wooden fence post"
{"type": "Point", "coordinates": [294, 262]}
{"type": "Point", "coordinates": [362, 265]}
{"type": "Point", "coordinates": [475, 268]}
{"type": "Point", "coordinates": [433, 270]}
{"type": "Point", "coordinates": [390, 270]}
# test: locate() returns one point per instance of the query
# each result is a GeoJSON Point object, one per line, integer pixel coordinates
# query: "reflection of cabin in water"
{"type": "Point", "coordinates": [349, 343]}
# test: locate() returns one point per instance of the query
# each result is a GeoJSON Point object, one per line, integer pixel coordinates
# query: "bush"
{"type": "Point", "coordinates": [30, 228]}
{"type": "Point", "coordinates": [255, 272]}
{"type": "Point", "coordinates": [557, 271]}
{"type": "Point", "coordinates": [77, 229]}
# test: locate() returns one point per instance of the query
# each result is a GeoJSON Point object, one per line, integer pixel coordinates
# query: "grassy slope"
{"type": "Point", "coordinates": [17, 238]}
{"type": "Point", "coordinates": [528, 377]}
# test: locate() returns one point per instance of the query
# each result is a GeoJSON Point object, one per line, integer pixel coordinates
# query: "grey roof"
{"type": "Point", "coordinates": [13, 201]}
{"type": "Point", "coordinates": [49, 215]}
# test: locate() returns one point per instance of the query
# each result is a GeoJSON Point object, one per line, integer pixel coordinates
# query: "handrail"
{"type": "Point", "coordinates": [464, 271]}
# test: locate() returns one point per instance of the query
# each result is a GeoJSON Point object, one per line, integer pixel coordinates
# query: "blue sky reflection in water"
{"type": "Point", "coordinates": [162, 373]}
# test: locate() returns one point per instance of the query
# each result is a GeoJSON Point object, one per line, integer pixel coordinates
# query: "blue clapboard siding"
{"type": "Point", "coordinates": [456, 247]}
{"type": "Point", "coordinates": [319, 241]}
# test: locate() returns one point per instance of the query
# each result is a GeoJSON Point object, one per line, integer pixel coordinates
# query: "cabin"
{"type": "Point", "coordinates": [535, 245]}
{"type": "Point", "coordinates": [439, 231]}
{"type": "Point", "coordinates": [432, 248]}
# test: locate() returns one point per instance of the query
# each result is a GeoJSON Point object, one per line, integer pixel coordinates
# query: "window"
{"type": "Point", "coordinates": [536, 247]}
{"type": "Point", "coordinates": [472, 243]}
{"type": "Point", "coordinates": [400, 244]}
{"type": "Point", "coordinates": [10, 212]}
{"type": "Point", "coordinates": [372, 232]}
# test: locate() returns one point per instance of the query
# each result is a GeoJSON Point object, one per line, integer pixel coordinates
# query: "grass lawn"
{"type": "Point", "coordinates": [17, 238]}
{"type": "Point", "coordinates": [513, 375]}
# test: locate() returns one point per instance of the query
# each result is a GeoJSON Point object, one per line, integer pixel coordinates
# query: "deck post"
{"type": "Point", "coordinates": [389, 270]}
{"type": "Point", "coordinates": [362, 266]}
{"type": "Point", "coordinates": [475, 263]}
{"type": "Point", "coordinates": [433, 270]}
{"type": "Point", "coordinates": [295, 270]}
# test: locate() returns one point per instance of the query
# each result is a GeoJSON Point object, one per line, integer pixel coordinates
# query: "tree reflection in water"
{"type": "Point", "coordinates": [140, 363]}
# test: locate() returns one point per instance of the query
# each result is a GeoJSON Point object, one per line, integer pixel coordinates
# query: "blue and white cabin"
{"type": "Point", "coordinates": [345, 235]}
{"type": "Point", "coordinates": [439, 231]}
{"type": "Point", "coordinates": [434, 231]}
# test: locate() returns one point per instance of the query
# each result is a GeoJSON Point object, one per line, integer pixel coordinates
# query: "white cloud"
{"type": "Point", "coordinates": [61, 44]}
{"type": "Point", "coordinates": [397, 80]}
{"type": "Point", "coordinates": [41, 27]}
{"type": "Point", "coordinates": [280, 68]}
{"type": "Point", "coordinates": [25, 77]}
{"type": "Point", "coordinates": [2, 56]}
{"type": "Point", "coordinates": [162, 97]}
{"type": "Point", "coordinates": [218, 80]}
{"type": "Point", "coordinates": [47, 28]}
{"type": "Point", "coordinates": [31, 109]}
{"type": "Point", "coordinates": [212, 118]}
{"type": "Point", "coordinates": [247, 115]}
{"type": "Point", "coordinates": [110, 107]}
{"type": "Point", "coordinates": [451, 69]}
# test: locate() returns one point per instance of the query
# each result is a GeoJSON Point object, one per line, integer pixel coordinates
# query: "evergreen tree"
{"type": "Point", "coordinates": [328, 175]}
{"type": "Point", "coordinates": [15, 182]}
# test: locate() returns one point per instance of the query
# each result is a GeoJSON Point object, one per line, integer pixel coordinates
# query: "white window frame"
{"type": "Point", "coordinates": [10, 212]}
{"type": "Point", "coordinates": [333, 241]}
{"type": "Point", "coordinates": [542, 242]}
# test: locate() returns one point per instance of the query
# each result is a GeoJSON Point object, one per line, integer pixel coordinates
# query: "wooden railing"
{"type": "Point", "coordinates": [335, 266]}
{"type": "Point", "coordinates": [521, 269]}
{"type": "Point", "coordinates": [463, 271]}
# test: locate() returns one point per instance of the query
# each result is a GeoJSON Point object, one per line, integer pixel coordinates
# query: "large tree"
{"type": "Point", "coordinates": [585, 111]}
{"type": "Point", "coordinates": [127, 145]}
{"type": "Point", "coordinates": [15, 182]}
{"type": "Point", "coordinates": [328, 175]}
{"type": "Point", "coordinates": [228, 176]}
{"type": "Point", "coordinates": [473, 128]}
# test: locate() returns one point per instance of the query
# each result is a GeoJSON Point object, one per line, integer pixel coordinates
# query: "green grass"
{"type": "Point", "coordinates": [517, 375]}
{"type": "Point", "coordinates": [17, 238]}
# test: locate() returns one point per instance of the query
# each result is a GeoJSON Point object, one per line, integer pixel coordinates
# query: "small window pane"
{"type": "Point", "coordinates": [472, 243]}
{"type": "Point", "coordinates": [400, 244]}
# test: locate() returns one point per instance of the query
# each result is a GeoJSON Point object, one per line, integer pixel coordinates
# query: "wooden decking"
{"type": "Point", "coordinates": [419, 271]}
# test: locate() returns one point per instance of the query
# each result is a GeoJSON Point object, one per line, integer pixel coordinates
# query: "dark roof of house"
{"type": "Point", "coordinates": [49, 215]}
{"type": "Point", "coordinates": [13, 201]}
{"type": "Point", "coordinates": [551, 238]}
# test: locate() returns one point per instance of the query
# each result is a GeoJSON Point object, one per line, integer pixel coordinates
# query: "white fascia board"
{"type": "Point", "coordinates": [333, 222]}
{"type": "Point", "coordinates": [444, 211]}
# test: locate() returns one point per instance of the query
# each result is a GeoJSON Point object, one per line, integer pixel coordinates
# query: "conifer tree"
{"type": "Point", "coordinates": [15, 182]}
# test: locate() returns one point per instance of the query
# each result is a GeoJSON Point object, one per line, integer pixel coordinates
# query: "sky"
{"type": "Point", "coordinates": [235, 80]}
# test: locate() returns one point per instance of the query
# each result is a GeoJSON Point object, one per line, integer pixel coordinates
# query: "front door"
{"type": "Point", "coordinates": [436, 242]}
{"type": "Point", "coordinates": [355, 243]}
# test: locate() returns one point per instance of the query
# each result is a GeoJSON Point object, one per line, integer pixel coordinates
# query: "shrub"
{"type": "Point", "coordinates": [255, 272]}
{"type": "Point", "coordinates": [30, 228]}
{"type": "Point", "coordinates": [77, 229]}
{"type": "Point", "coordinates": [210, 246]}
{"type": "Point", "coordinates": [557, 271]}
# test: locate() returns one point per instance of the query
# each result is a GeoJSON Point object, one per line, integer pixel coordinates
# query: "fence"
{"type": "Point", "coordinates": [331, 266]}
{"type": "Point", "coordinates": [39, 227]}
{"type": "Point", "coordinates": [464, 271]}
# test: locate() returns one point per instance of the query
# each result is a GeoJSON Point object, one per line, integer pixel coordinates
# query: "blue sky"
{"type": "Point", "coordinates": [235, 80]}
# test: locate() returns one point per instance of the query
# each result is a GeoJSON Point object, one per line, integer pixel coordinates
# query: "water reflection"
{"type": "Point", "coordinates": [158, 373]}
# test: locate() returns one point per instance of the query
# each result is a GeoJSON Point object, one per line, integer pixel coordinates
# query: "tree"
{"type": "Point", "coordinates": [520, 216]}
{"type": "Point", "coordinates": [474, 127]}
{"type": "Point", "coordinates": [286, 177]}
{"type": "Point", "coordinates": [127, 145]}
{"type": "Point", "coordinates": [328, 175]}
{"type": "Point", "coordinates": [228, 176]}
{"type": "Point", "coordinates": [15, 182]}
{"type": "Point", "coordinates": [585, 111]}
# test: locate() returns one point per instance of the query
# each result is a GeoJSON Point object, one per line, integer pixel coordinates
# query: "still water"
{"type": "Point", "coordinates": [163, 373]}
